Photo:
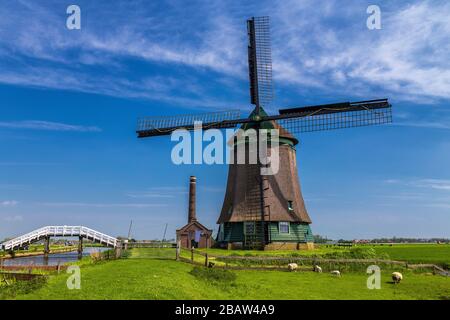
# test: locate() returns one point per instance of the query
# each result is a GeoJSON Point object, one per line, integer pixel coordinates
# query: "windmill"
{"type": "Point", "coordinates": [260, 211]}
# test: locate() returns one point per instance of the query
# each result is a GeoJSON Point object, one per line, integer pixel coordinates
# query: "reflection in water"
{"type": "Point", "coordinates": [52, 259]}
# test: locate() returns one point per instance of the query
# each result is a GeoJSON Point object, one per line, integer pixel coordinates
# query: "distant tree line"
{"type": "Point", "coordinates": [410, 240]}
{"type": "Point", "coordinates": [323, 239]}
{"type": "Point", "coordinates": [320, 239]}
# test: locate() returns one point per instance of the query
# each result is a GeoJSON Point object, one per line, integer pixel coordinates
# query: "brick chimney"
{"type": "Point", "coordinates": [192, 215]}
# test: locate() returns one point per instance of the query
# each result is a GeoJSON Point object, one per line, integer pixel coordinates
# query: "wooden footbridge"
{"type": "Point", "coordinates": [45, 233]}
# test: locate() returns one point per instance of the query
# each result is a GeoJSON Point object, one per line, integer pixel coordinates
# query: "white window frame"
{"type": "Point", "coordinates": [286, 223]}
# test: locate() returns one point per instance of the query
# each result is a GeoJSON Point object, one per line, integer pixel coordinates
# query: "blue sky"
{"type": "Point", "coordinates": [69, 101]}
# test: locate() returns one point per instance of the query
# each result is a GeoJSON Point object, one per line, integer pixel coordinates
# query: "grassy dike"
{"type": "Point", "coordinates": [145, 276]}
{"type": "Point", "coordinates": [38, 252]}
{"type": "Point", "coordinates": [413, 253]}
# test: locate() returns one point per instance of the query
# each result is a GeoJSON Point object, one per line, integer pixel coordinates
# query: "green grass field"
{"type": "Point", "coordinates": [413, 253]}
{"type": "Point", "coordinates": [417, 253]}
{"type": "Point", "coordinates": [145, 275]}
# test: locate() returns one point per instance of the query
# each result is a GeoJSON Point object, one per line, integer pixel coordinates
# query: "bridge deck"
{"type": "Point", "coordinates": [60, 231]}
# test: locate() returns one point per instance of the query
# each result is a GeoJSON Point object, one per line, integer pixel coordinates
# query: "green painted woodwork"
{"type": "Point", "coordinates": [298, 232]}
{"type": "Point", "coordinates": [234, 232]}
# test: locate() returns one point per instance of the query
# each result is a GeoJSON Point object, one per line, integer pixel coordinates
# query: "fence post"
{"type": "Point", "coordinates": [118, 251]}
{"type": "Point", "coordinates": [177, 255]}
{"type": "Point", "coordinates": [206, 259]}
{"type": "Point", "coordinates": [192, 255]}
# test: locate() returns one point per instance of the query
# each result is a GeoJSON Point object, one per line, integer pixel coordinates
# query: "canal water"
{"type": "Point", "coordinates": [53, 259]}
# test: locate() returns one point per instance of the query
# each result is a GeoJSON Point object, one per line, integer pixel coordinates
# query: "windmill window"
{"type": "Point", "coordinates": [249, 228]}
{"type": "Point", "coordinates": [230, 210]}
{"type": "Point", "coordinates": [283, 227]}
{"type": "Point", "coordinates": [290, 206]}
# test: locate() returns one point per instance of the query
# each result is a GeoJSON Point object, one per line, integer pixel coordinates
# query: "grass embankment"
{"type": "Point", "coordinates": [145, 276]}
{"type": "Point", "coordinates": [417, 253]}
{"type": "Point", "coordinates": [413, 253]}
{"type": "Point", "coordinates": [35, 250]}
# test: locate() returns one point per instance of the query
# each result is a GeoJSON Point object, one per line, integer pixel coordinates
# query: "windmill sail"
{"type": "Point", "coordinates": [165, 125]}
{"type": "Point", "coordinates": [260, 61]}
{"type": "Point", "coordinates": [335, 116]}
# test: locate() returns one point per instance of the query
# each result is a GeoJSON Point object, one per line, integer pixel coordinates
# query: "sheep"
{"type": "Point", "coordinates": [336, 273]}
{"type": "Point", "coordinates": [292, 267]}
{"type": "Point", "coordinates": [317, 269]}
{"type": "Point", "coordinates": [397, 277]}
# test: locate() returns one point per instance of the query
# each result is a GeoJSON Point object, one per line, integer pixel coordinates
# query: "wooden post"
{"type": "Point", "coordinates": [206, 259]}
{"type": "Point", "coordinates": [177, 255]}
{"type": "Point", "coordinates": [80, 247]}
{"type": "Point", "coordinates": [118, 251]}
{"type": "Point", "coordinates": [192, 254]}
{"type": "Point", "coordinates": [46, 246]}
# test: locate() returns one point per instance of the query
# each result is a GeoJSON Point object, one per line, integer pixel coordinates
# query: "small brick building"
{"type": "Point", "coordinates": [194, 234]}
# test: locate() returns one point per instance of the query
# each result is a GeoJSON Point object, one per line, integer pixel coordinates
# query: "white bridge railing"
{"type": "Point", "coordinates": [60, 231]}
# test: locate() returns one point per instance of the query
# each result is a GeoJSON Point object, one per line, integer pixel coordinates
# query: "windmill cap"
{"type": "Point", "coordinates": [270, 124]}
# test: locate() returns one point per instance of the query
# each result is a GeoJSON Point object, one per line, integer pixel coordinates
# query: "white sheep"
{"type": "Point", "coordinates": [336, 273]}
{"type": "Point", "coordinates": [292, 267]}
{"type": "Point", "coordinates": [317, 269]}
{"type": "Point", "coordinates": [397, 277]}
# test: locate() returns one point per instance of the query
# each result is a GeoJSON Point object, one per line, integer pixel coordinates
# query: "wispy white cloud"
{"type": "Point", "coordinates": [212, 189]}
{"type": "Point", "coordinates": [159, 192]}
{"type": "Point", "coordinates": [13, 186]}
{"type": "Point", "coordinates": [9, 203]}
{"type": "Point", "coordinates": [439, 184]}
{"type": "Point", "coordinates": [408, 57]}
{"type": "Point", "coordinates": [47, 125]}
{"type": "Point", "coordinates": [15, 218]}
{"type": "Point", "coordinates": [425, 124]}
{"type": "Point", "coordinates": [184, 92]}
{"type": "Point", "coordinates": [440, 205]}
{"type": "Point", "coordinates": [170, 192]}
{"type": "Point", "coordinates": [101, 205]}
{"type": "Point", "coordinates": [315, 45]}
{"type": "Point", "coordinates": [18, 164]}
{"type": "Point", "coordinates": [430, 183]}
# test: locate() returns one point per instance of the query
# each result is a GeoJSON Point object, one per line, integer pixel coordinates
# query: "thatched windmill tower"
{"type": "Point", "coordinates": [286, 218]}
